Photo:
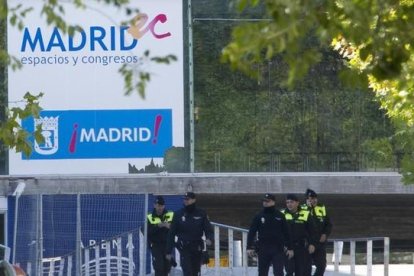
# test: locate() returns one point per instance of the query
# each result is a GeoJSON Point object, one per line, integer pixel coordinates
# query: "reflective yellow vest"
{"type": "Point", "coordinates": [302, 217]}
{"type": "Point", "coordinates": [168, 217]}
{"type": "Point", "coordinates": [320, 211]}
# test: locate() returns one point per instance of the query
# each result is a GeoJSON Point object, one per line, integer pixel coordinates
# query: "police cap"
{"type": "Point", "coordinates": [310, 193]}
{"type": "Point", "coordinates": [269, 197]}
{"type": "Point", "coordinates": [159, 200]}
{"type": "Point", "coordinates": [189, 195]}
{"type": "Point", "coordinates": [292, 197]}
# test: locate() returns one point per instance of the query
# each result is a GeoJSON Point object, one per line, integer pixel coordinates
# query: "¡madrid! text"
{"type": "Point", "coordinates": [141, 134]}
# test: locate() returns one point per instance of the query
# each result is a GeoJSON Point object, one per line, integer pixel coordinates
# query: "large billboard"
{"type": "Point", "coordinates": [89, 126]}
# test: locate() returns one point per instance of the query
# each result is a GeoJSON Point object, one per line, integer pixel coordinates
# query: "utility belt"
{"type": "Point", "coordinates": [189, 245]}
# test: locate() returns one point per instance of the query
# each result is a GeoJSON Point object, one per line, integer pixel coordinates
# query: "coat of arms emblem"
{"type": "Point", "coordinates": [50, 133]}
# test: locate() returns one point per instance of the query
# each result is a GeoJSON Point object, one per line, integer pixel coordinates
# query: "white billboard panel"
{"type": "Point", "coordinates": [88, 124]}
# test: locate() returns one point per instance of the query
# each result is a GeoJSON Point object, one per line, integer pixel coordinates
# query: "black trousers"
{"type": "Point", "coordinates": [318, 258]}
{"type": "Point", "coordinates": [190, 258]}
{"type": "Point", "coordinates": [297, 265]}
{"type": "Point", "coordinates": [270, 255]}
{"type": "Point", "coordinates": [161, 265]}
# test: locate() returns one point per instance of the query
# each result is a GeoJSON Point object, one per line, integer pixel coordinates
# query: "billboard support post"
{"type": "Point", "coordinates": [191, 83]}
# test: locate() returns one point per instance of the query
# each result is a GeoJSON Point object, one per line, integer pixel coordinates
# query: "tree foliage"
{"type": "Point", "coordinates": [245, 124]}
{"type": "Point", "coordinates": [374, 38]}
{"type": "Point", "coordinates": [12, 134]}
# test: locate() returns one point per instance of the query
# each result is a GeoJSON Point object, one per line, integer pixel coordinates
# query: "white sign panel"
{"type": "Point", "coordinates": [88, 124]}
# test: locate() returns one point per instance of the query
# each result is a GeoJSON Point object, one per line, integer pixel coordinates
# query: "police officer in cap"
{"type": "Point", "coordinates": [323, 228]}
{"type": "Point", "coordinates": [273, 238]}
{"type": "Point", "coordinates": [159, 221]}
{"type": "Point", "coordinates": [189, 225]}
{"type": "Point", "coordinates": [303, 235]}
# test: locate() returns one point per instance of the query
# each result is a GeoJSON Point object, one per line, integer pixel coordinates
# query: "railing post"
{"type": "Point", "coordinates": [108, 257]}
{"type": "Point", "coordinates": [244, 253]}
{"type": "Point", "coordinates": [130, 256]}
{"type": "Point", "coordinates": [97, 258]}
{"type": "Point", "coordinates": [119, 254]}
{"type": "Point", "coordinates": [386, 255]}
{"type": "Point", "coordinates": [61, 266]}
{"type": "Point", "coordinates": [29, 268]}
{"type": "Point", "coordinates": [87, 254]}
{"type": "Point", "coordinates": [369, 258]}
{"type": "Point", "coordinates": [336, 256]}
{"type": "Point", "coordinates": [70, 264]}
{"type": "Point", "coordinates": [217, 250]}
{"type": "Point", "coordinates": [352, 256]}
{"type": "Point", "coordinates": [231, 248]}
{"type": "Point", "coordinates": [51, 268]}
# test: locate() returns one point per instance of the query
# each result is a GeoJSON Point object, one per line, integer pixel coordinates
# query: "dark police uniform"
{"type": "Point", "coordinates": [189, 224]}
{"type": "Point", "coordinates": [302, 234]}
{"type": "Point", "coordinates": [157, 239]}
{"type": "Point", "coordinates": [273, 236]}
{"type": "Point", "coordinates": [323, 225]}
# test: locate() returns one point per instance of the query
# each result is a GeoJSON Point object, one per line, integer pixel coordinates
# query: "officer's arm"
{"type": "Point", "coordinates": [208, 228]}
{"type": "Point", "coordinates": [311, 231]}
{"type": "Point", "coordinates": [286, 234]}
{"type": "Point", "coordinates": [327, 227]}
{"type": "Point", "coordinates": [252, 233]}
{"type": "Point", "coordinates": [171, 233]}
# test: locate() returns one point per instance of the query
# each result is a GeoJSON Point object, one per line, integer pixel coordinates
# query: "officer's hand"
{"type": "Point", "coordinates": [168, 257]}
{"type": "Point", "coordinates": [167, 225]}
{"type": "Point", "coordinates": [290, 254]}
{"type": "Point", "coordinates": [323, 238]}
{"type": "Point", "coordinates": [250, 252]}
{"type": "Point", "coordinates": [208, 242]}
{"type": "Point", "coordinates": [311, 248]}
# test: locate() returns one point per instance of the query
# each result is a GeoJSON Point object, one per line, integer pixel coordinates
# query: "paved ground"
{"type": "Point", "coordinates": [360, 270]}
{"type": "Point", "coordinates": [377, 270]}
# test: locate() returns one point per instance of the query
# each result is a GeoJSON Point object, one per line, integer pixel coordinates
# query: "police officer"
{"type": "Point", "coordinates": [189, 225]}
{"type": "Point", "coordinates": [273, 237]}
{"type": "Point", "coordinates": [159, 221]}
{"type": "Point", "coordinates": [323, 228]}
{"type": "Point", "coordinates": [303, 235]}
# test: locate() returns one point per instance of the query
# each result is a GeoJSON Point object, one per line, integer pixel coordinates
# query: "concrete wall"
{"type": "Point", "coordinates": [247, 183]}
{"type": "Point", "coordinates": [352, 215]}
{"type": "Point", "coordinates": [360, 204]}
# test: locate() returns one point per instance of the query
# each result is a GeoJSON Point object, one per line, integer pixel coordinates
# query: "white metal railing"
{"type": "Point", "coordinates": [352, 252]}
{"type": "Point", "coordinates": [237, 263]}
{"type": "Point", "coordinates": [56, 265]}
{"type": "Point", "coordinates": [98, 259]}
{"type": "Point", "coordinates": [235, 237]}
{"type": "Point", "coordinates": [235, 269]}
{"type": "Point", "coordinates": [4, 252]}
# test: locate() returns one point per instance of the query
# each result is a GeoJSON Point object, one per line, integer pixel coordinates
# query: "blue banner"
{"type": "Point", "coordinates": [103, 217]}
{"type": "Point", "coordinates": [87, 134]}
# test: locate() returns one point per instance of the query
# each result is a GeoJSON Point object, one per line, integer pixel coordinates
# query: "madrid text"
{"type": "Point", "coordinates": [141, 134]}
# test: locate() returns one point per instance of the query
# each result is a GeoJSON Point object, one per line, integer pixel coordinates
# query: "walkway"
{"type": "Point", "coordinates": [377, 270]}
{"type": "Point", "coordinates": [361, 270]}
